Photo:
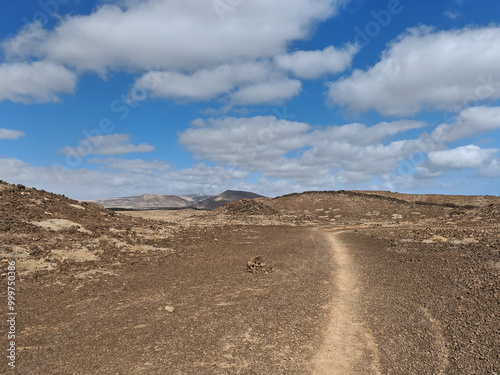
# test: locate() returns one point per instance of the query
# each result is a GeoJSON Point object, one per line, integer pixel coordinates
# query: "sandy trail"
{"type": "Point", "coordinates": [348, 347]}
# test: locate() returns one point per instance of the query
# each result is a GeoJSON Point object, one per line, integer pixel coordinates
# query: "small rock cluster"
{"type": "Point", "coordinates": [257, 265]}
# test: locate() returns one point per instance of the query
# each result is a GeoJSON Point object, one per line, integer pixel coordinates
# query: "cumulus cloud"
{"type": "Point", "coordinates": [173, 85]}
{"type": "Point", "coordinates": [363, 135]}
{"type": "Point", "coordinates": [111, 144]}
{"type": "Point", "coordinates": [349, 178]}
{"type": "Point", "coordinates": [369, 160]}
{"type": "Point", "coordinates": [491, 170]}
{"type": "Point", "coordinates": [135, 165]}
{"type": "Point", "coordinates": [85, 183]}
{"type": "Point", "coordinates": [35, 82]}
{"type": "Point", "coordinates": [25, 42]}
{"type": "Point", "coordinates": [244, 141]}
{"type": "Point", "coordinates": [185, 50]}
{"type": "Point", "coordinates": [471, 121]}
{"type": "Point", "coordinates": [274, 92]}
{"type": "Point", "coordinates": [465, 157]}
{"type": "Point", "coordinates": [298, 151]}
{"type": "Point", "coordinates": [204, 84]}
{"type": "Point", "coordinates": [313, 64]}
{"type": "Point", "coordinates": [10, 134]}
{"type": "Point", "coordinates": [178, 34]}
{"type": "Point", "coordinates": [426, 69]}
{"type": "Point", "coordinates": [243, 83]}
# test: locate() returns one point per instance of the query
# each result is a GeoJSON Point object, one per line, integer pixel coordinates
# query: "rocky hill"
{"type": "Point", "coordinates": [47, 232]}
{"type": "Point", "coordinates": [354, 207]}
{"type": "Point", "coordinates": [459, 200]}
{"type": "Point", "coordinates": [155, 202]}
{"type": "Point", "coordinates": [223, 198]}
{"type": "Point", "coordinates": [151, 201]}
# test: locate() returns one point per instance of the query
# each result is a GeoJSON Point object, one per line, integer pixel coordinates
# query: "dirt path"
{"type": "Point", "coordinates": [349, 347]}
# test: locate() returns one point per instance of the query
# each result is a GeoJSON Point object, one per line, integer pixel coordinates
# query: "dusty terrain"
{"type": "Point", "coordinates": [313, 283]}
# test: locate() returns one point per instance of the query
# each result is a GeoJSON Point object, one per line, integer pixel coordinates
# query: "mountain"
{"type": "Point", "coordinates": [154, 202]}
{"type": "Point", "coordinates": [151, 201]}
{"type": "Point", "coordinates": [226, 197]}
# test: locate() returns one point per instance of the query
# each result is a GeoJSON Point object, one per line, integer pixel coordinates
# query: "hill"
{"type": "Point", "coordinates": [356, 207]}
{"type": "Point", "coordinates": [151, 201]}
{"type": "Point", "coordinates": [460, 200]}
{"type": "Point", "coordinates": [155, 202]}
{"type": "Point", "coordinates": [48, 232]}
{"type": "Point", "coordinates": [226, 197]}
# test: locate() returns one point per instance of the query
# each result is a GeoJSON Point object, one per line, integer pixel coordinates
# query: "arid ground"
{"type": "Point", "coordinates": [312, 283]}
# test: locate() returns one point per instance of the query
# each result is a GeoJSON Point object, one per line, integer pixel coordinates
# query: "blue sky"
{"type": "Point", "coordinates": [117, 98]}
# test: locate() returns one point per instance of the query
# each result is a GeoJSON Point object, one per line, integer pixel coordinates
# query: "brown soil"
{"type": "Point", "coordinates": [339, 283]}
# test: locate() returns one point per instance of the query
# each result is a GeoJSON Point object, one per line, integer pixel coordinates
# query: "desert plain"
{"type": "Point", "coordinates": [334, 282]}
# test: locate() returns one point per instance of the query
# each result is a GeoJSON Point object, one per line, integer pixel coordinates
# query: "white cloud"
{"type": "Point", "coordinates": [203, 84]}
{"type": "Point", "coordinates": [10, 134]}
{"type": "Point", "coordinates": [471, 121]}
{"type": "Point", "coordinates": [452, 15]}
{"type": "Point", "coordinates": [35, 82]}
{"type": "Point", "coordinates": [349, 178]}
{"type": "Point", "coordinates": [465, 157]}
{"type": "Point", "coordinates": [134, 165]}
{"type": "Point", "coordinates": [313, 64]}
{"type": "Point", "coordinates": [244, 83]}
{"type": "Point", "coordinates": [209, 180]}
{"type": "Point", "coordinates": [111, 144]}
{"type": "Point", "coordinates": [27, 40]}
{"type": "Point", "coordinates": [174, 34]}
{"type": "Point", "coordinates": [369, 160]}
{"type": "Point", "coordinates": [84, 183]}
{"type": "Point", "coordinates": [244, 141]}
{"type": "Point", "coordinates": [491, 170]}
{"type": "Point", "coordinates": [184, 50]}
{"type": "Point", "coordinates": [422, 172]}
{"type": "Point", "coordinates": [292, 150]}
{"type": "Point", "coordinates": [295, 170]}
{"type": "Point", "coordinates": [274, 92]}
{"type": "Point", "coordinates": [426, 69]}
{"type": "Point", "coordinates": [363, 135]}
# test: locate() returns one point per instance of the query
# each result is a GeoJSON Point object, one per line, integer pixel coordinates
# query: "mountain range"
{"type": "Point", "coordinates": [156, 202]}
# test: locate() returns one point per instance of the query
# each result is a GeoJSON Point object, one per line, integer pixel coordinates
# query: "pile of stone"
{"type": "Point", "coordinates": [257, 265]}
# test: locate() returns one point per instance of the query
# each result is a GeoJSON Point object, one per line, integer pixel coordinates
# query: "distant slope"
{"type": "Point", "coordinates": [198, 201]}
{"type": "Point", "coordinates": [226, 197]}
{"type": "Point", "coordinates": [150, 201]}
{"type": "Point", "coordinates": [195, 198]}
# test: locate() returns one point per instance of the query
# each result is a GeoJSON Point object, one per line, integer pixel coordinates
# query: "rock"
{"type": "Point", "coordinates": [257, 265]}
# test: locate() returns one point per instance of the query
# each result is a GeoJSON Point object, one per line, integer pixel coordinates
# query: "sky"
{"type": "Point", "coordinates": [113, 98]}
